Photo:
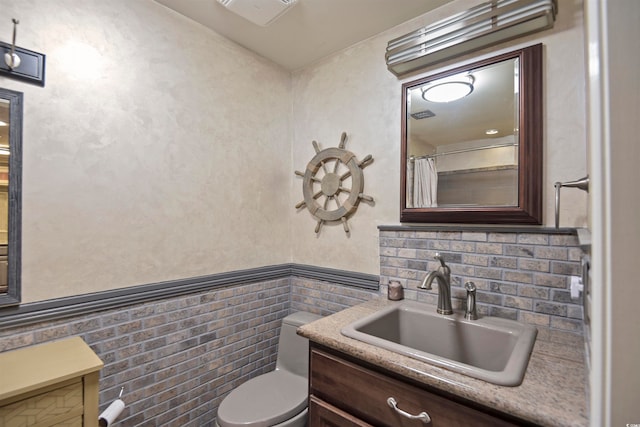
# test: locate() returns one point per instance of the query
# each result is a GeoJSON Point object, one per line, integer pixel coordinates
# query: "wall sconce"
{"type": "Point", "coordinates": [484, 25]}
{"type": "Point", "coordinates": [19, 63]}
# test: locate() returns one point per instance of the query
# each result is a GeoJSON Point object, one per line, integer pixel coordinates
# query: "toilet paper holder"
{"type": "Point", "coordinates": [109, 415]}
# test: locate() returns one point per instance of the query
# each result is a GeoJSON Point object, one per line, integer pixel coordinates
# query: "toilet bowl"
{"type": "Point", "coordinates": [278, 398]}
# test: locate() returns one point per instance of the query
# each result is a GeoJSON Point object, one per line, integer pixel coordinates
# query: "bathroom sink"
{"type": "Point", "coordinates": [492, 349]}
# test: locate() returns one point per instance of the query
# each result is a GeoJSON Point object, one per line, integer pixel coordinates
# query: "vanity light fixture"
{"type": "Point", "coordinates": [449, 90]}
{"type": "Point", "coordinates": [485, 25]}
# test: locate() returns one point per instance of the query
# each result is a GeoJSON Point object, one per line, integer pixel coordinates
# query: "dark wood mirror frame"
{"type": "Point", "coordinates": [529, 208]}
{"type": "Point", "coordinates": [13, 294]}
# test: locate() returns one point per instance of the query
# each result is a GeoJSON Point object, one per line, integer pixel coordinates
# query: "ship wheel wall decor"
{"type": "Point", "coordinates": [333, 183]}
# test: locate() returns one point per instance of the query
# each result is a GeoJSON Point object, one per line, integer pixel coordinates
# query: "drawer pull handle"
{"type": "Point", "coordinates": [422, 416]}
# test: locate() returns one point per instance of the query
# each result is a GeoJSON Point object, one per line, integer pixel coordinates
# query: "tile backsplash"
{"type": "Point", "coordinates": [520, 275]}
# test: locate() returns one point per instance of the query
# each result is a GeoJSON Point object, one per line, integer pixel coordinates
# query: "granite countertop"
{"type": "Point", "coordinates": [553, 392]}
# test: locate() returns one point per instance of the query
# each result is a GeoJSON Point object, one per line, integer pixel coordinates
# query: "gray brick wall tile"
{"type": "Point", "coordinates": [417, 244]}
{"type": "Point", "coordinates": [563, 240]}
{"type": "Point", "coordinates": [440, 245]}
{"type": "Point", "coordinates": [488, 298]}
{"type": "Point", "coordinates": [489, 273]}
{"type": "Point", "coordinates": [519, 250]}
{"type": "Point", "coordinates": [503, 288]}
{"type": "Point", "coordinates": [518, 302]}
{"type": "Point", "coordinates": [566, 268]}
{"type": "Point", "coordinates": [518, 277]}
{"type": "Point", "coordinates": [551, 308]}
{"type": "Point", "coordinates": [388, 252]}
{"type": "Point", "coordinates": [489, 248]}
{"type": "Point", "coordinates": [550, 280]}
{"type": "Point", "coordinates": [469, 247]}
{"type": "Point", "coordinates": [534, 265]}
{"type": "Point", "coordinates": [521, 275]}
{"type": "Point", "coordinates": [505, 313]}
{"type": "Point", "coordinates": [17, 341]}
{"type": "Point", "coordinates": [407, 253]}
{"type": "Point", "coordinates": [449, 235]}
{"type": "Point", "coordinates": [502, 237]}
{"type": "Point", "coordinates": [533, 239]}
{"type": "Point", "coordinates": [503, 262]}
{"type": "Point", "coordinates": [473, 236]}
{"type": "Point", "coordinates": [481, 260]}
{"type": "Point", "coordinates": [552, 252]}
{"type": "Point", "coordinates": [536, 292]}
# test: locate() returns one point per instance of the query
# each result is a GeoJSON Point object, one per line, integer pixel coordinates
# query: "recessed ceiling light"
{"type": "Point", "coordinates": [491, 131]}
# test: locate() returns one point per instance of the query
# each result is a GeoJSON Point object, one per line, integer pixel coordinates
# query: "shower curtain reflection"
{"type": "Point", "coordinates": [422, 176]}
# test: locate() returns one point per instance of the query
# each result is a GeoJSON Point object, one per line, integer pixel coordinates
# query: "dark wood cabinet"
{"type": "Point", "coordinates": [344, 393]}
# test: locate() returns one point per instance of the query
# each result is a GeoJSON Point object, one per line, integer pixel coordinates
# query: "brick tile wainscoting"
{"type": "Point", "coordinates": [178, 357]}
{"type": "Point", "coordinates": [325, 298]}
{"type": "Point", "coordinates": [521, 275]}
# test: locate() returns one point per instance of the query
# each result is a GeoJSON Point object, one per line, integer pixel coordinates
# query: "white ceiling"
{"type": "Point", "coordinates": [310, 30]}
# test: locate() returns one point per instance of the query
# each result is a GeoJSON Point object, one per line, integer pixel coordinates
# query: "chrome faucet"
{"type": "Point", "coordinates": [443, 276]}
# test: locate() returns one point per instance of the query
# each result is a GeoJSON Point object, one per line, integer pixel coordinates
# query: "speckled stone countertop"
{"type": "Point", "coordinates": [553, 392]}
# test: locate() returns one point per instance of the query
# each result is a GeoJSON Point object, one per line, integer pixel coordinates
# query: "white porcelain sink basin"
{"type": "Point", "coordinates": [490, 348]}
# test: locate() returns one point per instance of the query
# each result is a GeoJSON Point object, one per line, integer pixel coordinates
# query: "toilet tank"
{"type": "Point", "coordinates": [293, 350]}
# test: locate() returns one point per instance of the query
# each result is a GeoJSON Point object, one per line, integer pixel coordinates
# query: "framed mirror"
{"type": "Point", "coordinates": [10, 195]}
{"type": "Point", "coordinates": [472, 143]}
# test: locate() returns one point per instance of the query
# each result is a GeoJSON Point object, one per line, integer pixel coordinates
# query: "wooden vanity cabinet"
{"type": "Point", "coordinates": [344, 393]}
{"type": "Point", "coordinates": [52, 384]}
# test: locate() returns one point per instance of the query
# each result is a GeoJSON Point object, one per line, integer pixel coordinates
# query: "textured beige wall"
{"type": "Point", "coordinates": [353, 91]}
{"type": "Point", "coordinates": [158, 150]}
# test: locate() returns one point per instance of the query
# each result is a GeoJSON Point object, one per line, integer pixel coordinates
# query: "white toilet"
{"type": "Point", "coordinates": [278, 398]}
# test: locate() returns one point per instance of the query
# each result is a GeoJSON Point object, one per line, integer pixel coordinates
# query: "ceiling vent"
{"type": "Point", "coordinates": [425, 114]}
{"type": "Point", "coordinates": [260, 12]}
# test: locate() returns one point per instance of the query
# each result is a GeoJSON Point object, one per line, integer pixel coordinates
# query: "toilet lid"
{"type": "Point", "coordinates": [264, 400]}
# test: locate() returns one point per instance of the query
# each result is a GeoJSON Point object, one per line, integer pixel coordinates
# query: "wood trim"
{"type": "Point", "coordinates": [529, 209]}
{"type": "Point", "coordinates": [528, 229]}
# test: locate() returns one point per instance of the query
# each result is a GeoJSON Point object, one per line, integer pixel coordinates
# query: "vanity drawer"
{"type": "Point", "coordinates": [364, 393]}
{"type": "Point", "coordinates": [58, 407]}
{"type": "Point", "coordinates": [322, 414]}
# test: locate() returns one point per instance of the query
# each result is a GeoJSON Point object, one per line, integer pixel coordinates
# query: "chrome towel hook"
{"type": "Point", "coordinates": [582, 184]}
{"type": "Point", "coordinates": [11, 58]}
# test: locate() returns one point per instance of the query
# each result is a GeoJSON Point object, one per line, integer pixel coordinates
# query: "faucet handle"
{"type": "Point", "coordinates": [470, 286]}
{"type": "Point", "coordinates": [471, 312]}
{"type": "Point", "coordinates": [445, 268]}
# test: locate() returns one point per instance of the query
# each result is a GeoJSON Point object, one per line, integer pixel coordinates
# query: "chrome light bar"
{"type": "Point", "coordinates": [484, 25]}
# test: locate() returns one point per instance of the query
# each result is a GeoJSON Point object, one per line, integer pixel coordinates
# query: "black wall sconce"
{"type": "Point", "coordinates": [21, 64]}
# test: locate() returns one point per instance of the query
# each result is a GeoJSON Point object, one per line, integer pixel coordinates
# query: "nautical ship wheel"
{"type": "Point", "coordinates": [333, 183]}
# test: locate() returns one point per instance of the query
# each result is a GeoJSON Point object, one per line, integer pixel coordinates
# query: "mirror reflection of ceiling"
{"type": "Point", "coordinates": [4, 123]}
{"type": "Point", "coordinates": [489, 106]}
{"type": "Point", "coordinates": [308, 31]}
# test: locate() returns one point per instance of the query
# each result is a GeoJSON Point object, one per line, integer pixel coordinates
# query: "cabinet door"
{"type": "Point", "coordinates": [322, 414]}
{"type": "Point", "coordinates": [365, 393]}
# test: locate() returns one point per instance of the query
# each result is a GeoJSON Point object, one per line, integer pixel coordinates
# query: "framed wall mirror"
{"type": "Point", "coordinates": [10, 195]}
{"type": "Point", "coordinates": [472, 143]}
